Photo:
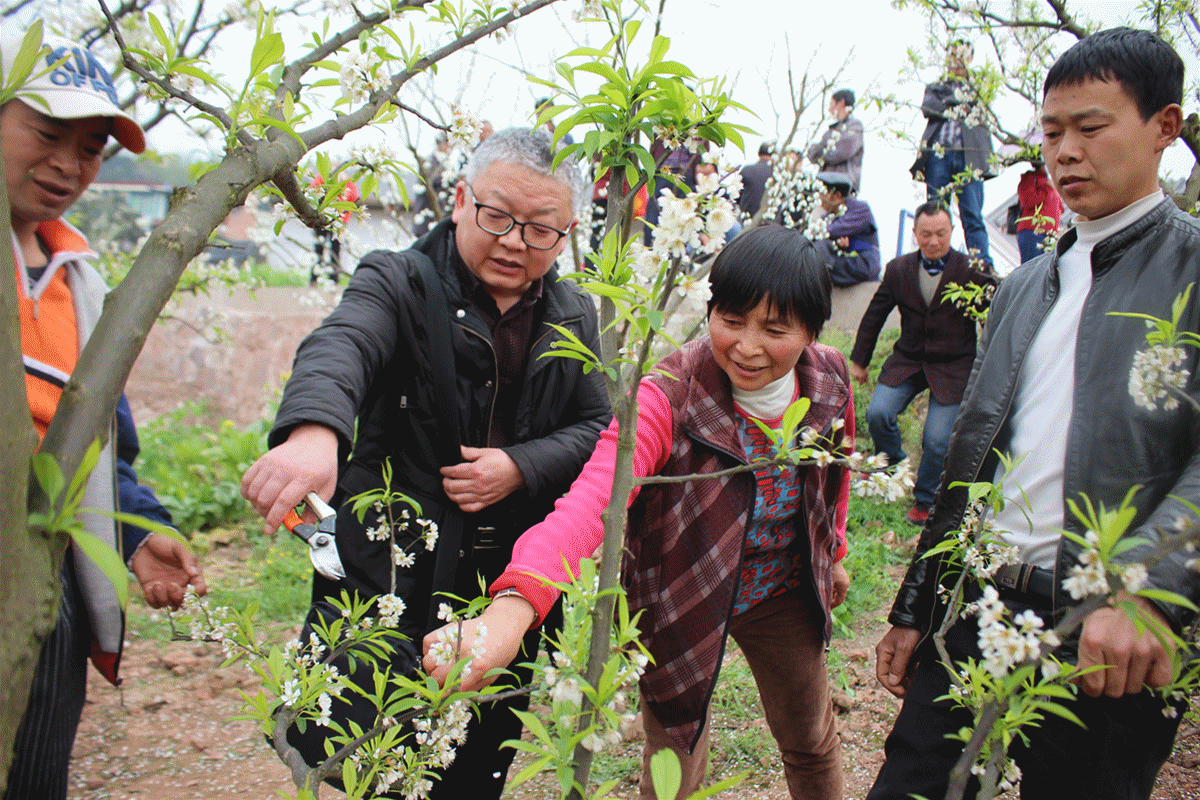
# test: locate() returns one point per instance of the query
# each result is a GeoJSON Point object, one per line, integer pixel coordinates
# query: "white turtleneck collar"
{"type": "Point", "coordinates": [769, 402]}
{"type": "Point", "coordinates": [1094, 231]}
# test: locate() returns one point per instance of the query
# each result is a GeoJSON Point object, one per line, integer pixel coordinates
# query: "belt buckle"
{"type": "Point", "coordinates": [1009, 575]}
{"type": "Point", "coordinates": [485, 537]}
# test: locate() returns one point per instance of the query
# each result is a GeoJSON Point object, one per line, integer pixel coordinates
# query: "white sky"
{"type": "Point", "coordinates": [746, 41]}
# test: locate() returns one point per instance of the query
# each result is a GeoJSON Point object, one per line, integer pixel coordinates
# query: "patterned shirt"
{"type": "Point", "coordinates": [769, 561]}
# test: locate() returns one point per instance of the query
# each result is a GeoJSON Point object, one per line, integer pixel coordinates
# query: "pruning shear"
{"type": "Point", "coordinates": [320, 538]}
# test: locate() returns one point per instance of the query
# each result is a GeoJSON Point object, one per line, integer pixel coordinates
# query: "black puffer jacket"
{"type": "Point", "coordinates": [1113, 444]}
{"type": "Point", "coordinates": [367, 362]}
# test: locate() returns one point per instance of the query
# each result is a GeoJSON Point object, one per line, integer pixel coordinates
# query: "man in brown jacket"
{"type": "Point", "coordinates": [935, 349]}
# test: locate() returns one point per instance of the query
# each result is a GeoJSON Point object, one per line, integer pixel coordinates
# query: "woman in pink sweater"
{"type": "Point", "coordinates": [754, 555]}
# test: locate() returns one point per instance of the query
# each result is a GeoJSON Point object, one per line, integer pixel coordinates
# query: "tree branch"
{"type": "Point", "coordinates": [165, 85]}
{"type": "Point", "coordinates": [344, 123]}
{"type": "Point", "coordinates": [293, 192]}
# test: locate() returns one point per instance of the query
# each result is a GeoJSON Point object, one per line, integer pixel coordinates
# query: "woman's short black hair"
{"type": "Point", "coordinates": [779, 264]}
{"type": "Point", "coordinates": [1146, 67]}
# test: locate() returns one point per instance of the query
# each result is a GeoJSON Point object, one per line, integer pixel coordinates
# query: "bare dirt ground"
{"type": "Point", "coordinates": [170, 734]}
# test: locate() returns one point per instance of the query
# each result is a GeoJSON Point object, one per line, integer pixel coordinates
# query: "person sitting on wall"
{"type": "Point", "coordinates": [851, 251]}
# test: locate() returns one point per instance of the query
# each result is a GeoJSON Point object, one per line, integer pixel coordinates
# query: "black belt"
{"type": "Point", "coordinates": [1026, 580]}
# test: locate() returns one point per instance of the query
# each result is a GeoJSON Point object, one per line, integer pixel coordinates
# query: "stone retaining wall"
{"type": "Point", "coordinates": [241, 374]}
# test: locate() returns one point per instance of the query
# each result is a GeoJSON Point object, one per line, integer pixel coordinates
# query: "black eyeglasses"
{"type": "Point", "coordinates": [497, 222]}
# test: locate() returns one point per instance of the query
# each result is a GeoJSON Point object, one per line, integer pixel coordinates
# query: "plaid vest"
{"type": "Point", "coordinates": [685, 540]}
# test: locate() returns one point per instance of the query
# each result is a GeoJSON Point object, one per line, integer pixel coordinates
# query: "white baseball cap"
{"type": "Point", "coordinates": [78, 87]}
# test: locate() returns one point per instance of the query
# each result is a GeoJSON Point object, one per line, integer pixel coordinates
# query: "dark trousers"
{"type": "Point", "coordinates": [1116, 757]}
{"type": "Point", "coordinates": [783, 641]}
{"type": "Point", "coordinates": [42, 752]}
{"type": "Point", "coordinates": [480, 764]}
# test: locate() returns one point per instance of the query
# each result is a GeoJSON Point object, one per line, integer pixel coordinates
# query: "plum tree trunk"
{"type": "Point", "coordinates": [29, 586]}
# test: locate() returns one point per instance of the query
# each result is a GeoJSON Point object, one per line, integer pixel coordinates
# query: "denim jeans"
{"type": "Point", "coordinates": [940, 172]}
{"type": "Point", "coordinates": [1030, 244]}
{"type": "Point", "coordinates": [887, 403]}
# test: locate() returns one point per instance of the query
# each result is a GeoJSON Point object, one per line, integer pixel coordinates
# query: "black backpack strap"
{"type": "Point", "coordinates": [441, 358]}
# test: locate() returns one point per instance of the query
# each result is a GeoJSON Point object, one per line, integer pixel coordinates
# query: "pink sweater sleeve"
{"type": "Point", "coordinates": [575, 528]}
{"type": "Point", "coordinates": [843, 502]}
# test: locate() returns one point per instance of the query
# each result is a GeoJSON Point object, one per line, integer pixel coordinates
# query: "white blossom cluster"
{"type": "Point", "coordinates": [693, 224]}
{"type": "Point", "coordinates": [439, 735]}
{"type": "Point", "coordinates": [1004, 645]}
{"type": "Point", "coordinates": [682, 220]}
{"type": "Point", "coordinates": [983, 554]}
{"type": "Point", "coordinates": [588, 10]}
{"type": "Point", "coordinates": [561, 679]}
{"type": "Point", "coordinates": [361, 74]}
{"type": "Point", "coordinates": [307, 653]}
{"type": "Point", "coordinates": [391, 608]}
{"type": "Point", "coordinates": [375, 153]}
{"type": "Point", "coordinates": [398, 773]}
{"type": "Point", "coordinates": [1010, 778]}
{"type": "Point", "coordinates": [887, 485]}
{"type": "Point", "coordinates": [967, 110]}
{"type": "Point", "coordinates": [206, 623]}
{"type": "Point", "coordinates": [673, 138]}
{"type": "Point", "coordinates": [793, 197]}
{"type": "Point", "coordinates": [1087, 577]}
{"type": "Point", "coordinates": [831, 143]}
{"type": "Point", "coordinates": [326, 676]}
{"type": "Point", "coordinates": [1156, 377]}
{"type": "Point", "coordinates": [403, 769]}
{"type": "Point", "coordinates": [445, 650]}
{"type": "Point", "coordinates": [465, 129]}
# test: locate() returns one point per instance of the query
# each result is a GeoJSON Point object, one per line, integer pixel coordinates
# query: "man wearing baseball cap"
{"type": "Point", "coordinates": [52, 138]}
{"type": "Point", "coordinates": [851, 249]}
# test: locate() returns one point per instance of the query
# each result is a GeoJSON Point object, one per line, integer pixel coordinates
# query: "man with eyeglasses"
{"type": "Point", "coordinates": [527, 424]}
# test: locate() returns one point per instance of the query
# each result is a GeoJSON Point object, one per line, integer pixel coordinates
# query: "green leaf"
{"type": "Point", "coordinates": [75, 491]}
{"type": "Point", "coordinates": [140, 522]}
{"type": "Point", "coordinates": [530, 770]}
{"type": "Point", "coordinates": [1165, 596]}
{"type": "Point", "coordinates": [267, 51]}
{"type": "Point", "coordinates": [717, 788]}
{"type": "Point", "coordinates": [283, 126]}
{"type": "Point", "coordinates": [49, 475]}
{"type": "Point", "coordinates": [167, 44]}
{"type": "Point", "coordinates": [27, 55]}
{"type": "Point", "coordinates": [666, 773]}
{"type": "Point", "coordinates": [106, 558]}
{"type": "Point", "coordinates": [1061, 711]}
{"type": "Point", "coordinates": [793, 415]}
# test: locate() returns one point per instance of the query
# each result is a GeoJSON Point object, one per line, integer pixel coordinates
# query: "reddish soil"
{"type": "Point", "coordinates": [169, 734]}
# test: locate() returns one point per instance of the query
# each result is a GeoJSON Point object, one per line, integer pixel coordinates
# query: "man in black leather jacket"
{"type": "Point", "coordinates": [1052, 387]}
{"type": "Point", "coordinates": [527, 424]}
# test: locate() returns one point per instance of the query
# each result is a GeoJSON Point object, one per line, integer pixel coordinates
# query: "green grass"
{"type": "Point", "coordinates": [911, 421]}
{"type": "Point", "coordinates": [273, 572]}
{"type": "Point", "coordinates": [196, 469]}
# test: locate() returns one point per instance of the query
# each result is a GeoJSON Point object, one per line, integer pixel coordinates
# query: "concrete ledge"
{"type": "Point", "coordinates": [850, 303]}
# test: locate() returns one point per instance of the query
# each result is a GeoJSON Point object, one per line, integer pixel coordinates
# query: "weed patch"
{"type": "Point", "coordinates": [196, 470]}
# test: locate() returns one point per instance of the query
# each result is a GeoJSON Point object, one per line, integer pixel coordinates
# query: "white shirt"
{"type": "Point", "coordinates": [1045, 396]}
{"type": "Point", "coordinates": [769, 402]}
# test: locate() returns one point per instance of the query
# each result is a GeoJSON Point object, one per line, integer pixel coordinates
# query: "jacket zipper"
{"type": "Point", "coordinates": [495, 379]}
{"type": "Point", "coordinates": [496, 365]}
